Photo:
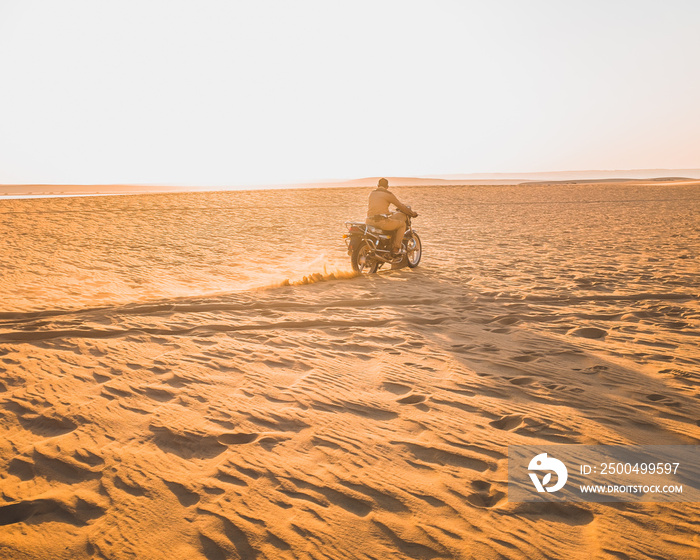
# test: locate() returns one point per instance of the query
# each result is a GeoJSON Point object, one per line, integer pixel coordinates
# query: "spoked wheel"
{"type": "Point", "coordinates": [414, 250]}
{"type": "Point", "coordinates": [362, 260]}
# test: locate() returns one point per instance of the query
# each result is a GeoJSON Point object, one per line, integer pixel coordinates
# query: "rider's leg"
{"type": "Point", "coordinates": [399, 217]}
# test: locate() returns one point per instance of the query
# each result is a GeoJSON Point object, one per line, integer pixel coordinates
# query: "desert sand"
{"type": "Point", "coordinates": [200, 376]}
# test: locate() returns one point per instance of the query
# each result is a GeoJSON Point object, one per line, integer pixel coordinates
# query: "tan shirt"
{"type": "Point", "coordinates": [379, 201]}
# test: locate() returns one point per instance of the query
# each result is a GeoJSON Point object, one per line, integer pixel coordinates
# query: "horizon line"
{"type": "Point", "coordinates": [441, 177]}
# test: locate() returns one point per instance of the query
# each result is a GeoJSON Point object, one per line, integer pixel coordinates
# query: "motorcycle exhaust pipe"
{"type": "Point", "coordinates": [386, 259]}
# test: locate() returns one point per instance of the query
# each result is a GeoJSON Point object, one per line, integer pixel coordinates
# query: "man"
{"type": "Point", "coordinates": [378, 214]}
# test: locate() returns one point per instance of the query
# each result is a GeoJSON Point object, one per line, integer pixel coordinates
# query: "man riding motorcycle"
{"type": "Point", "coordinates": [378, 214]}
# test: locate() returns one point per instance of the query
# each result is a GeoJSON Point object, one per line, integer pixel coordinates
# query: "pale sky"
{"type": "Point", "coordinates": [233, 92]}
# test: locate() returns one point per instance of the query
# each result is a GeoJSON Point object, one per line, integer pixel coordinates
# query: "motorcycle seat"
{"type": "Point", "coordinates": [377, 230]}
{"type": "Point", "coordinates": [370, 229]}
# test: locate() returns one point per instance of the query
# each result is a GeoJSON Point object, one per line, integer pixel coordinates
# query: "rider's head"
{"type": "Point", "coordinates": [383, 183]}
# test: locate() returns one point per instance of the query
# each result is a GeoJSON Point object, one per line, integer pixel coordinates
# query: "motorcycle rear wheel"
{"type": "Point", "coordinates": [361, 260]}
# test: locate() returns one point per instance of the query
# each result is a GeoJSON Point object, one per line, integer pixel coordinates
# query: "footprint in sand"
{"type": "Point", "coordinates": [483, 497]}
{"type": "Point", "coordinates": [129, 486]}
{"type": "Point", "coordinates": [185, 496]}
{"type": "Point", "coordinates": [21, 468]}
{"type": "Point", "coordinates": [237, 439]}
{"type": "Point", "coordinates": [589, 332]}
{"type": "Point", "coordinates": [396, 388]}
{"type": "Point", "coordinates": [663, 399]}
{"type": "Point", "coordinates": [412, 399]}
{"type": "Point", "coordinates": [269, 442]}
{"type": "Point", "coordinates": [159, 394]}
{"type": "Point", "coordinates": [81, 512]}
{"type": "Point", "coordinates": [46, 426]}
{"type": "Point", "coordinates": [507, 422]}
{"type": "Point", "coordinates": [211, 550]}
{"type": "Point", "coordinates": [21, 511]}
{"type": "Point", "coordinates": [401, 389]}
{"type": "Point", "coordinates": [526, 358]}
{"type": "Point", "coordinates": [519, 381]}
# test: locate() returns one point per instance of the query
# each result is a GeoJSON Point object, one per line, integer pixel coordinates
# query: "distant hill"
{"type": "Point", "coordinates": [415, 182]}
{"type": "Point", "coordinates": [522, 178]}
{"type": "Point", "coordinates": [656, 174]}
{"type": "Point", "coordinates": [655, 180]}
{"type": "Point", "coordinates": [648, 175]}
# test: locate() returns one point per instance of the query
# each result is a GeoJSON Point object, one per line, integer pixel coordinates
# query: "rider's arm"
{"type": "Point", "coordinates": [403, 208]}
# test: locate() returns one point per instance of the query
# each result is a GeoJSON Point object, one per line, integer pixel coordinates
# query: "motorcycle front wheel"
{"type": "Point", "coordinates": [361, 260]}
{"type": "Point", "coordinates": [414, 250]}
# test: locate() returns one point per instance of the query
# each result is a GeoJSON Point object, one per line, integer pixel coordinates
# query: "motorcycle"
{"type": "Point", "coordinates": [370, 247]}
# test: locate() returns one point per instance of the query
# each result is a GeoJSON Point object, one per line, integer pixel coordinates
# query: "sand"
{"type": "Point", "coordinates": [165, 396]}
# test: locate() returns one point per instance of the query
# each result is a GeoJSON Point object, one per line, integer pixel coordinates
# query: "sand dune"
{"type": "Point", "coordinates": [165, 395]}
